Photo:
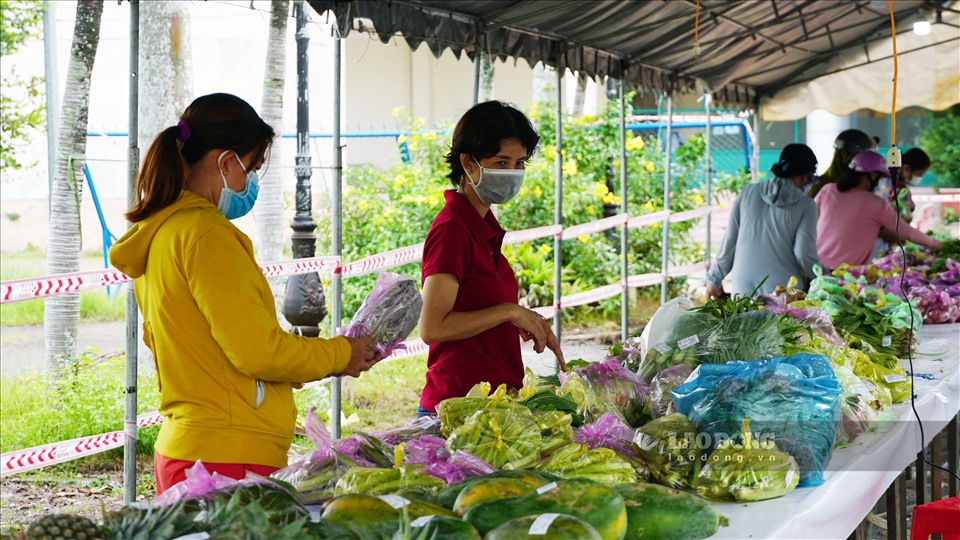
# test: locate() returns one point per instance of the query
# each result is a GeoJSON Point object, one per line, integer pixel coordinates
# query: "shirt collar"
{"type": "Point", "coordinates": [486, 228]}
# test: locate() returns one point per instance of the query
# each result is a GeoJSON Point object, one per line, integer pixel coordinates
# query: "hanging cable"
{"type": "Point", "coordinates": [696, 33]}
{"type": "Point", "coordinates": [893, 162]}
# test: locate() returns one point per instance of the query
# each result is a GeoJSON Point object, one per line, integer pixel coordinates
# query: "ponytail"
{"type": "Point", "coordinates": [849, 180]}
{"type": "Point", "coordinates": [161, 176]}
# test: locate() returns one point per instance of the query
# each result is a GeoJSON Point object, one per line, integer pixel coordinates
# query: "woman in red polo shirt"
{"type": "Point", "coordinates": [470, 318]}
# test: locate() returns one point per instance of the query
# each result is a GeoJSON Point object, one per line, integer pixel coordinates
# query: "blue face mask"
{"type": "Point", "coordinates": [232, 204]}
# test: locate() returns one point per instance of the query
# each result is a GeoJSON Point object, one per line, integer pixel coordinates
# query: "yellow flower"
{"type": "Point", "coordinates": [570, 168]}
{"type": "Point", "coordinates": [413, 145]}
{"type": "Point", "coordinates": [655, 225]}
{"type": "Point", "coordinates": [524, 191]}
{"type": "Point", "coordinates": [616, 164]}
{"type": "Point", "coordinates": [698, 199]}
{"type": "Point", "coordinates": [600, 190]}
{"type": "Point", "coordinates": [349, 190]}
{"type": "Point", "coordinates": [591, 210]}
{"type": "Point", "coordinates": [401, 138]}
{"type": "Point", "coordinates": [363, 204]}
{"type": "Point", "coordinates": [648, 206]}
{"type": "Point", "coordinates": [584, 238]}
{"type": "Point", "coordinates": [545, 249]}
{"type": "Point", "coordinates": [635, 143]}
{"type": "Point", "coordinates": [650, 166]}
{"type": "Point", "coordinates": [389, 211]}
{"type": "Point", "coordinates": [609, 198]}
{"type": "Point", "coordinates": [537, 192]}
{"type": "Point", "coordinates": [723, 204]}
{"type": "Point", "coordinates": [549, 152]}
{"type": "Point", "coordinates": [398, 183]}
{"type": "Point", "coordinates": [434, 201]}
{"type": "Point", "coordinates": [430, 136]}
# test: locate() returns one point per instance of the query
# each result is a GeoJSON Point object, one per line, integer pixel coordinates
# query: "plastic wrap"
{"type": "Point", "coordinates": [591, 404]}
{"type": "Point", "coordinates": [617, 385]}
{"type": "Point", "coordinates": [669, 447]}
{"type": "Point", "coordinates": [794, 399]}
{"type": "Point", "coordinates": [199, 483]}
{"type": "Point", "coordinates": [369, 481]}
{"type": "Point", "coordinates": [601, 465]}
{"type": "Point", "coordinates": [747, 471]}
{"type": "Point", "coordinates": [389, 313]}
{"type": "Point", "coordinates": [752, 335]}
{"type": "Point", "coordinates": [610, 432]}
{"type": "Point", "coordinates": [672, 337]}
{"type": "Point", "coordinates": [437, 461]}
{"type": "Point", "coordinates": [555, 430]}
{"type": "Point", "coordinates": [627, 353]}
{"type": "Point", "coordinates": [504, 438]}
{"type": "Point", "coordinates": [453, 412]}
{"type": "Point", "coordinates": [425, 425]}
{"type": "Point", "coordinates": [366, 450]}
{"type": "Point", "coordinates": [316, 473]}
{"type": "Point", "coordinates": [658, 402]}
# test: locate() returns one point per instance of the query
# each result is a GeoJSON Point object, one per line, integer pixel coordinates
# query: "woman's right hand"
{"type": "Point", "coordinates": [362, 356]}
{"type": "Point", "coordinates": [715, 292]}
{"type": "Point", "coordinates": [532, 325]}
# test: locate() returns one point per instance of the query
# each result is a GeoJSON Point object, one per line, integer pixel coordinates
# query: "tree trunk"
{"type": "Point", "coordinates": [544, 83]}
{"type": "Point", "coordinates": [269, 208]}
{"type": "Point", "coordinates": [166, 84]}
{"type": "Point", "coordinates": [486, 78]}
{"type": "Point", "coordinates": [61, 320]}
{"type": "Point", "coordinates": [580, 95]}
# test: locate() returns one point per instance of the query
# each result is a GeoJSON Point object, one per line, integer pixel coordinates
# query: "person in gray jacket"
{"type": "Point", "coordinates": [772, 231]}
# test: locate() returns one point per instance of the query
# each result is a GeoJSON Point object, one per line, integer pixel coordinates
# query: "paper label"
{"type": "Point", "coordinates": [395, 501]}
{"type": "Point", "coordinates": [662, 347]}
{"type": "Point", "coordinates": [894, 378]}
{"type": "Point", "coordinates": [886, 341]}
{"type": "Point", "coordinates": [421, 521]}
{"type": "Point", "coordinates": [860, 389]}
{"type": "Point", "coordinates": [688, 342]}
{"type": "Point", "coordinates": [870, 386]}
{"type": "Point", "coordinates": [543, 489]}
{"type": "Point", "coordinates": [541, 525]}
{"type": "Point", "coordinates": [790, 473]}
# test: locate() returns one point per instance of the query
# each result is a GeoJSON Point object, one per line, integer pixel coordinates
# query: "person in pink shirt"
{"type": "Point", "coordinates": [850, 215]}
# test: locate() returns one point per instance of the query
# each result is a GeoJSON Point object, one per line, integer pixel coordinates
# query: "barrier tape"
{"type": "Point", "coordinates": [593, 295]}
{"type": "Point", "coordinates": [690, 214]}
{"type": "Point", "coordinates": [594, 226]}
{"type": "Point", "coordinates": [383, 261]}
{"type": "Point", "coordinates": [649, 219]}
{"type": "Point", "coordinates": [18, 290]}
{"type": "Point", "coordinates": [686, 270]}
{"type": "Point", "coordinates": [20, 461]}
{"type": "Point", "coordinates": [940, 197]}
{"type": "Point", "coordinates": [644, 280]}
{"type": "Point", "coordinates": [526, 235]}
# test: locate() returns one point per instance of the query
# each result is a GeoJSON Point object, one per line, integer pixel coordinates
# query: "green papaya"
{"type": "Point", "coordinates": [443, 528]}
{"type": "Point", "coordinates": [598, 505]}
{"type": "Point", "coordinates": [448, 496]}
{"type": "Point", "coordinates": [659, 512]}
{"type": "Point", "coordinates": [552, 526]}
{"type": "Point", "coordinates": [490, 489]}
{"type": "Point", "coordinates": [369, 513]}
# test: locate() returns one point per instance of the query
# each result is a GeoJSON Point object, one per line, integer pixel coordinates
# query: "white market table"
{"type": "Point", "coordinates": [858, 475]}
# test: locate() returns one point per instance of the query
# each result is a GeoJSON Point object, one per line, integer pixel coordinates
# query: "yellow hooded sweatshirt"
{"type": "Point", "coordinates": [224, 364]}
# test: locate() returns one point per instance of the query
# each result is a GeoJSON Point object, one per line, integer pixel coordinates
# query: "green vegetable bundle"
{"type": "Point", "coordinates": [601, 465]}
{"type": "Point", "coordinates": [751, 471]}
{"type": "Point", "coordinates": [753, 335]}
{"type": "Point", "coordinates": [453, 412]}
{"type": "Point", "coordinates": [669, 446]}
{"type": "Point", "coordinates": [369, 481]}
{"type": "Point", "coordinates": [548, 400]}
{"type": "Point", "coordinates": [555, 429]}
{"type": "Point", "coordinates": [504, 438]}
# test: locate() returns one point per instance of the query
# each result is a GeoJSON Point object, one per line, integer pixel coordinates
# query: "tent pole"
{"type": "Point", "coordinates": [335, 282]}
{"type": "Point", "coordinates": [755, 166]}
{"type": "Point", "coordinates": [130, 360]}
{"type": "Point", "coordinates": [665, 259]}
{"type": "Point", "coordinates": [476, 77]}
{"type": "Point", "coordinates": [709, 180]}
{"type": "Point", "coordinates": [624, 269]}
{"type": "Point", "coordinates": [52, 89]}
{"type": "Point", "coordinates": [558, 210]}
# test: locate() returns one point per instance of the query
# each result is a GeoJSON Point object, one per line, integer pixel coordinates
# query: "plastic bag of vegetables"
{"type": "Point", "coordinates": [745, 336]}
{"type": "Point", "coordinates": [669, 446]}
{"type": "Point", "coordinates": [591, 404]}
{"type": "Point", "coordinates": [389, 313]}
{"type": "Point", "coordinates": [504, 438]}
{"type": "Point", "coordinates": [617, 385]}
{"type": "Point", "coordinates": [601, 465]}
{"type": "Point", "coordinates": [425, 425]}
{"type": "Point", "coordinates": [658, 401]}
{"type": "Point", "coordinates": [749, 471]}
{"type": "Point", "coordinates": [627, 353]}
{"type": "Point", "coordinates": [437, 461]}
{"type": "Point", "coordinates": [453, 412]}
{"type": "Point", "coordinates": [796, 398]}
{"type": "Point", "coordinates": [610, 432]}
{"type": "Point", "coordinates": [369, 481]}
{"type": "Point", "coordinates": [672, 337]}
{"type": "Point", "coordinates": [555, 429]}
{"type": "Point", "coordinates": [316, 474]}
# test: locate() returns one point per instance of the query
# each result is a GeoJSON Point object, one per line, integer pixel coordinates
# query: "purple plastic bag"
{"type": "Point", "coordinates": [609, 431]}
{"type": "Point", "coordinates": [389, 313]}
{"type": "Point", "coordinates": [626, 389]}
{"type": "Point", "coordinates": [199, 484]}
{"type": "Point", "coordinates": [323, 461]}
{"type": "Point", "coordinates": [425, 425]}
{"type": "Point", "coordinates": [440, 463]}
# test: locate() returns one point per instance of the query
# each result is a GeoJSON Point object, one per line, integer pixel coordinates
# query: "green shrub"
{"type": "Point", "coordinates": [940, 142]}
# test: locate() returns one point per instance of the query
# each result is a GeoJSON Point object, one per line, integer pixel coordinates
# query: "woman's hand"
{"type": "Point", "coordinates": [362, 356]}
{"type": "Point", "coordinates": [715, 292]}
{"type": "Point", "coordinates": [532, 325]}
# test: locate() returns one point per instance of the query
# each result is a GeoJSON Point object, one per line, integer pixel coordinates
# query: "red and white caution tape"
{"type": "Point", "coordinates": [689, 214]}
{"type": "Point", "coordinates": [527, 235]}
{"type": "Point", "coordinates": [644, 280]}
{"type": "Point", "coordinates": [18, 290]}
{"type": "Point", "coordinates": [547, 312]}
{"type": "Point", "coordinates": [649, 219]}
{"type": "Point", "coordinates": [20, 461]}
{"type": "Point", "coordinates": [593, 295]}
{"type": "Point", "coordinates": [940, 197]}
{"type": "Point", "coordinates": [382, 261]}
{"type": "Point", "coordinates": [594, 226]}
{"type": "Point", "coordinates": [686, 270]}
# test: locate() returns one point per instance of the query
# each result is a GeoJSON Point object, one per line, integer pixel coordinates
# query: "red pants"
{"type": "Point", "coordinates": [171, 471]}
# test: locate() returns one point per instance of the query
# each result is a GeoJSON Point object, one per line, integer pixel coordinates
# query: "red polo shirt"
{"type": "Point", "coordinates": [467, 246]}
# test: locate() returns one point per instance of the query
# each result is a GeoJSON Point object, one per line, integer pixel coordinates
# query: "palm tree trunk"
{"type": "Point", "coordinates": [269, 208]}
{"type": "Point", "coordinates": [581, 94]}
{"type": "Point", "coordinates": [486, 78]}
{"type": "Point", "coordinates": [61, 320]}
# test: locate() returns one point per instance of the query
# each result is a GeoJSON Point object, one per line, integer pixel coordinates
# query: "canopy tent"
{"type": "Point", "coordinates": [751, 52]}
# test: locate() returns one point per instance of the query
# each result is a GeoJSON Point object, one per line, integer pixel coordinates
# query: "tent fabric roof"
{"type": "Point", "coordinates": [748, 48]}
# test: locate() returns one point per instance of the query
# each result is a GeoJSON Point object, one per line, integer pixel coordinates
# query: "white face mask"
{"type": "Point", "coordinates": [496, 186]}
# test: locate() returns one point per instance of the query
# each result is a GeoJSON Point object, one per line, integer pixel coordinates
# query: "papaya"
{"type": "Point", "coordinates": [416, 494]}
{"type": "Point", "coordinates": [448, 496]}
{"type": "Point", "coordinates": [366, 514]}
{"type": "Point", "coordinates": [552, 526]}
{"type": "Point", "coordinates": [444, 528]}
{"type": "Point", "coordinates": [490, 489]}
{"type": "Point", "coordinates": [598, 505]}
{"type": "Point", "coordinates": [659, 512]}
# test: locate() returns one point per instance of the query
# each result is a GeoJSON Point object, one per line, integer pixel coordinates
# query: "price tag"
{"type": "Point", "coordinates": [543, 489]}
{"type": "Point", "coordinates": [886, 341]}
{"type": "Point", "coordinates": [894, 378]}
{"type": "Point", "coordinates": [860, 389]}
{"type": "Point", "coordinates": [870, 386]}
{"type": "Point", "coordinates": [541, 525]}
{"type": "Point", "coordinates": [662, 347]}
{"type": "Point", "coordinates": [688, 342]}
{"type": "Point", "coordinates": [421, 521]}
{"type": "Point", "coordinates": [395, 501]}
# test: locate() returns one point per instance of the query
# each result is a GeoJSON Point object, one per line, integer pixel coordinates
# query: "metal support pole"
{"type": "Point", "coordinates": [130, 360]}
{"type": "Point", "coordinates": [707, 98]}
{"type": "Point", "coordinates": [624, 269]}
{"type": "Point", "coordinates": [665, 254]}
{"type": "Point", "coordinates": [303, 299]}
{"type": "Point", "coordinates": [558, 211]}
{"type": "Point", "coordinates": [335, 283]}
{"type": "Point", "coordinates": [51, 87]}
{"type": "Point", "coordinates": [755, 166]}
{"type": "Point", "coordinates": [476, 76]}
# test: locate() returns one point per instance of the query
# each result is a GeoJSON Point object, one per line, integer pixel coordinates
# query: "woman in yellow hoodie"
{"type": "Point", "coordinates": [225, 367]}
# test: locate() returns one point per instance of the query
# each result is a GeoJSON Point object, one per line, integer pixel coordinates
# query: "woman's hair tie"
{"type": "Point", "coordinates": [184, 132]}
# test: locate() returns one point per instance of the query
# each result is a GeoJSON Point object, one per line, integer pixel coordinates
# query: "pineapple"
{"type": "Point", "coordinates": [57, 526]}
{"type": "Point", "coordinates": [141, 522]}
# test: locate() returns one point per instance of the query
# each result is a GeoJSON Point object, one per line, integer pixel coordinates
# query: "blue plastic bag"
{"type": "Point", "coordinates": [793, 401]}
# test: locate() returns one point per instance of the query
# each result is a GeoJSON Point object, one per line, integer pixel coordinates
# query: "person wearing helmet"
{"type": "Point", "coordinates": [772, 232]}
{"type": "Point", "coordinates": [847, 144]}
{"type": "Point", "coordinates": [851, 216]}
